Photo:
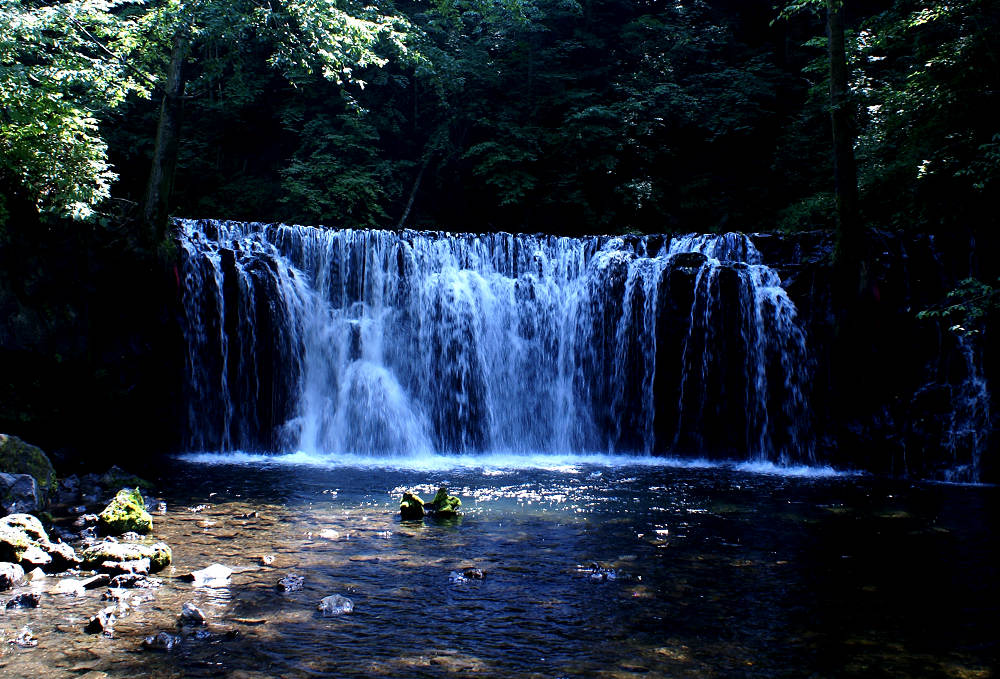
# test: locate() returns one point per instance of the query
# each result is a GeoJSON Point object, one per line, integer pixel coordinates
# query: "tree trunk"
{"type": "Point", "coordinates": [156, 212]}
{"type": "Point", "coordinates": [842, 121]}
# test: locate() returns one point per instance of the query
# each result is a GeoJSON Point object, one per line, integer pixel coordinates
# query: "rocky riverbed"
{"type": "Point", "coordinates": [613, 569]}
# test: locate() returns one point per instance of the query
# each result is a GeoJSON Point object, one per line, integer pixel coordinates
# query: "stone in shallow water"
{"type": "Point", "coordinates": [126, 513]}
{"type": "Point", "coordinates": [161, 642]}
{"type": "Point", "coordinates": [25, 600]}
{"type": "Point", "coordinates": [191, 614]}
{"type": "Point", "coordinates": [10, 574]}
{"type": "Point", "coordinates": [335, 605]}
{"type": "Point", "coordinates": [97, 556]}
{"type": "Point", "coordinates": [103, 622]}
{"type": "Point", "coordinates": [215, 575]}
{"type": "Point", "coordinates": [291, 583]}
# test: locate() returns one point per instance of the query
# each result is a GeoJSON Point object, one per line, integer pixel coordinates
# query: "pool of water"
{"type": "Point", "coordinates": [599, 567]}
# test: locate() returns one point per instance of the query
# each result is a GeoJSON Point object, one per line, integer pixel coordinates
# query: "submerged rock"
{"type": "Point", "coordinates": [25, 638]}
{"type": "Point", "coordinates": [161, 642]}
{"type": "Point", "coordinates": [335, 605]}
{"type": "Point", "coordinates": [117, 557]}
{"type": "Point", "coordinates": [125, 513]}
{"type": "Point", "coordinates": [215, 575]}
{"type": "Point", "coordinates": [291, 583]}
{"type": "Point", "coordinates": [134, 580]}
{"type": "Point", "coordinates": [411, 508]}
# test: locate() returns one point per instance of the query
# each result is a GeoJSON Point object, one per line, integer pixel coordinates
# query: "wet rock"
{"type": "Point", "coordinates": [329, 534]}
{"type": "Point", "coordinates": [215, 575]}
{"type": "Point", "coordinates": [99, 580]}
{"type": "Point", "coordinates": [19, 493]}
{"type": "Point", "coordinates": [85, 520]}
{"type": "Point", "coordinates": [11, 574]}
{"type": "Point", "coordinates": [474, 573]}
{"type": "Point", "coordinates": [25, 638]}
{"type": "Point", "coordinates": [161, 642]}
{"type": "Point", "coordinates": [125, 513]}
{"type": "Point", "coordinates": [161, 508]}
{"type": "Point", "coordinates": [411, 508]}
{"type": "Point", "coordinates": [24, 600]}
{"type": "Point", "coordinates": [103, 622]}
{"type": "Point", "coordinates": [18, 457]}
{"type": "Point", "coordinates": [35, 556]}
{"type": "Point", "coordinates": [105, 555]}
{"type": "Point", "coordinates": [192, 615]}
{"type": "Point", "coordinates": [444, 506]}
{"type": "Point", "coordinates": [266, 559]}
{"type": "Point", "coordinates": [132, 567]}
{"type": "Point", "coordinates": [250, 515]}
{"type": "Point", "coordinates": [36, 575]}
{"type": "Point", "coordinates": [291, 583]}
{"type": "Point", "coordinates": [27, 524]}
{"type": "Point", "coordinates": [335, 605]}
{"type": "Point", "coordinates": [134, 580]}
{"type": "Point", "coordinates": [69, 587]}
{"type": "Point", "coordinates": [63, 556]}
{"type": "Point", "coordinates": [13, 544]}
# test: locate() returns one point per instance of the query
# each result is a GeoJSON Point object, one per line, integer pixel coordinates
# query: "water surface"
{"type": "Point", "coordinates": [593, 567]}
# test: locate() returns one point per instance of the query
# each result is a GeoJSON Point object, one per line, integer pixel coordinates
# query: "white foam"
{"type": "Point", "coordinates": [493, 464]}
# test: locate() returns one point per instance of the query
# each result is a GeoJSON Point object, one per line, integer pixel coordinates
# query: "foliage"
{"type": "Point", "coordinates": [58, 65]}
{"type": "Point", "coordinates": [967, 306]}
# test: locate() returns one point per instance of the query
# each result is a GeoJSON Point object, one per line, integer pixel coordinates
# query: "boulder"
{"type": "Point", "coordinates": [125, 513]}
{"type": "Point", "coordinates": [18, 457]}
{"type": "Point", "coordinates": [444, 505]}
{"type": "Point", "coordinates": [411, 508]}
{"type": "Point", "coordinates": [23, 540]}
{"type": "Point", "coordinates": [335, 605]}
{"type": "Point", "coordinates": [25, 600]}
{"type": "Point", "coordinates": [19, 493]}
{"type": "Point", "coordinates": [11, 574]}
{"type": "Point", "coordinates": [117, 557]}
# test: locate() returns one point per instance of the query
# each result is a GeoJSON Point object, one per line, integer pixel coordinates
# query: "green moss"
{"type": "Point", "coordinates": [411, 508]}
{"type": "Point", "coordinates": [18, 457]}
{"type": "Point", "coordinates": [127, 512]}
{"type": "Point", "coordinates": [445, 505]}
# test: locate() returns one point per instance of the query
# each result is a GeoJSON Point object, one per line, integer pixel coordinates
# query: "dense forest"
{"type": "Point", "coordinates": [561, 116]}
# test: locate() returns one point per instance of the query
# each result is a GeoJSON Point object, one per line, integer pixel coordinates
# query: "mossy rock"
{"type": "Point", "coordinates": [13, 544]}
{"type": "Point", "coordinates": [126, 513]}
{"type": "Point", "coordinates": [158, 553]}
{"type": "Point", "coordinates": [30, 525]}
{"type": "Point", "coordinates": [445, 506]}
{"type": "Point", "coordinates": [411, 508]}
{"type": "Point", "coordinates": [18, 457]}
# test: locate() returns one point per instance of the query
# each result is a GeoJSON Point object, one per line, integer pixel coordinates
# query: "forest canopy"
{"type": "Point", "coordinates": [560, 115]}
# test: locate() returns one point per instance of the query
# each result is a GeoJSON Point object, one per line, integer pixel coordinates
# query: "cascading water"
{"type": "Point", "coordinates": [410, 343]}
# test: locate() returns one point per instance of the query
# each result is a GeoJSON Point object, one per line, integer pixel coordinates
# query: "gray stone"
{"type": "Point", "coordinates": [11, 574]}
{"type": "Point", "coordinates": [290, 583]}
{"type": "Point", "coordinates": [161, 642]}
{"type": "Point", "coordinates": [335, 605]}
{"type": "Point", "coordinates": [19, 493]}
{"type": "Point", "coordinates": [192, 615]}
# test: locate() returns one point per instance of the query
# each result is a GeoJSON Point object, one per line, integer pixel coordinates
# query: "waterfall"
{"type": "Point", "coordinates": [967, 431]}
{"type": "Point", "coordinates": [410, 343]}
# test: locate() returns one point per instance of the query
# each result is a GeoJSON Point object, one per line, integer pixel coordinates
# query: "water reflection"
{"type": "Point", "coordinates": [589, 571]}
